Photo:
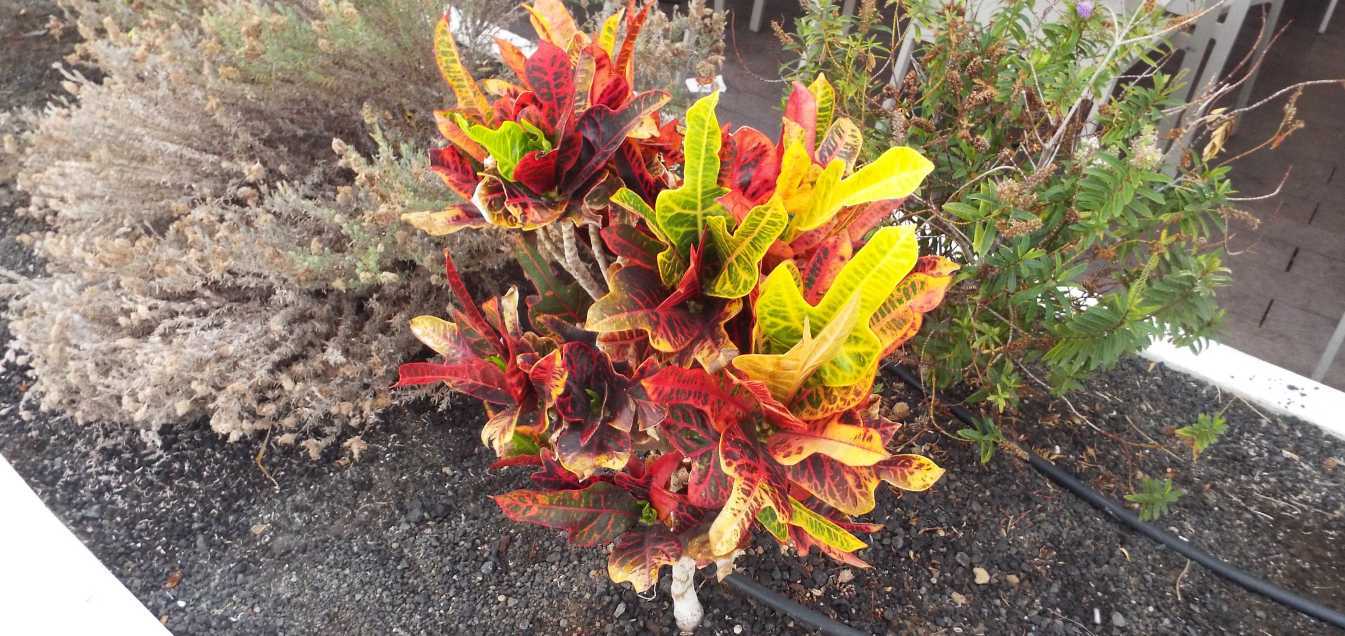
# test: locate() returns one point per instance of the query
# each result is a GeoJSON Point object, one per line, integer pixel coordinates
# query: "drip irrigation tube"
{"type": "Point", "coordinates": [811, 618]}
{"type": "Point", "coordinates": [1121, 513]}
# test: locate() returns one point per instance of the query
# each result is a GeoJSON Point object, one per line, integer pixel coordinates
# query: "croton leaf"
{"type": "Point", "coordinates": [637, 300]}
{"type": "Point", "coordinates": [786, 372]}
{"type": "Point", "coordinates": [634, 24]}
{"type": "Point", "coordinates": [453, 126]}
{"type": "Point", "coordinates": [842, 141]}
{"type": "Point", "coordinates": [816, 400]}
{"type": "Point", "coordinates": [870, 276]}
{"type": "Point", "coordinates": [849, 444]}
{"type": "Point", "coordinates": [508, 143]}
{"type": "Point", "coordinates": [584, 449]}
{"type": "Point", "coordinates": [757, 482]}
{"type": "Point", "coordinates": [555, 297]}
{"type": "Point", "coordinates": [749, 167]}
{"type": "Point", "coordinates": [846, 488]}
{"type": "Point", "coordinates": [512, 56]}
{"type": "Point", "coordinates": [894, 175]}
{"type": "Point", "coordinates": [772, 523]}
{"type": "Point", "coordinates": [455, 169]}
{"type": "Point", "coordinates": [735, 518]}
{"type": "Point", "coordinates": [632, 244]}
{"type": "Point", "coordinates": [603, 129]}
{"type": "Point", "coordinates": [596, 515]}
{"type": "Point", "coordinates": [550, 76]}
{"type": "Point", "coordinates": [909, 472]}
{"type": "Point", "coordinates": [638, 555]}
{"type": "Point", "coordinates": [442, 336]}
{"type": "Point", "coordinates": [800, 121]}
{"type": "Point", "coordinates": [607, 35]}
{"type": "Point", "coordinates": [707, 485]}
{"type": "Point", "coordinates": [740, 253]}
{"type": "Point", "coordinates": [456, 217]}
{"type": "Point", "coordinates": [824, 529]}
{"type": "Point", "coordinates": [727, 400]}
{"type": "Point", "coordinates": [825, 97]}
{"type": "Point", "coordinates": [552, 476]}
{"type": "Point", "coordinates": [553, 22]}
{"type": "Point", "coordinates": [670, 263]}
{"type": "Point", "coordinates": [689, 430]}
{"type": "Point", "coordinates": [475, 377]}
{"type": "Point", "coordinates": [450, 65]}
{"type": "Point", "coordinates": [680, 213]}
{"type": "Point", "coordinates": [899, 317]}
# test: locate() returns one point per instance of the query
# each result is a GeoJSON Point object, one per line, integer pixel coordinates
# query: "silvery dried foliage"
{"type": "Point", "coordinates": [208, 253]}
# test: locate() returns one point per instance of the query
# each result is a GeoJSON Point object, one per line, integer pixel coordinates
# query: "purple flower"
{"type": "Point", "coordinates": [1084, 8]}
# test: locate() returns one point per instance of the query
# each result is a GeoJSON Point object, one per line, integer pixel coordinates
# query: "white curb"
{"type": "Point", "coordinates": [1259, 382]}
{"type": "Point", "coordinates": [49, 582]}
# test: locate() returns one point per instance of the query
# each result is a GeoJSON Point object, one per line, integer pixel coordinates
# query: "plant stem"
{"type": "Point", "coordinates": [686, 607]}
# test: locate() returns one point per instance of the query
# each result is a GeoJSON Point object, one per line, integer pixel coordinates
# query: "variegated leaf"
{"type": "Point", "coordinates": [909, 472]}
{"type": "Point", "coordinates": [740, 252]}
{"type": "Point", "coordinates": [638, 555]}
{"type": "Point", "coordinates": [849, 444]}
{"type": "Point", "coordinates": [596, 515]}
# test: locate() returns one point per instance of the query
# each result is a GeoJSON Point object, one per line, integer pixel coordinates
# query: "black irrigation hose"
{"type": "Point", "coordinates": [811, 618]}
{"type": "Point", "coordinates": [1121, 513]}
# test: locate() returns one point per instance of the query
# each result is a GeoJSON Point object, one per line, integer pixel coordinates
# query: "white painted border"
{"type": "Point", "coordinates": [50, 583]}
{"type": "Point", "coordinates": [1259, 382]}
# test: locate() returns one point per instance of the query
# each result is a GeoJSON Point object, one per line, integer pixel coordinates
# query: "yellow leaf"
{"type": "Point", "coordinates": [870, 276]}
{"type": "Point", "coordinates": [607, 36]}
{"type": "Point", "coordinates": [909, 472]}
{"type": "Point", "coordinates": [734, 519]}
{"type": "Point", "coordinates": [894, 175]}
{"type": "Point", "coordinates": [846, 443]}
{"type": "Point", "coordinates": [784, 373]}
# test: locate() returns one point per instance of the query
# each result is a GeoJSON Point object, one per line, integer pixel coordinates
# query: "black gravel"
{"type": "Point", "coordinates": [405, 540]}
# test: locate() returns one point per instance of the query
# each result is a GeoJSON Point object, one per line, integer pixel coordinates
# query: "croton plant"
{"type": "Point", "coordinates": [716, 375]}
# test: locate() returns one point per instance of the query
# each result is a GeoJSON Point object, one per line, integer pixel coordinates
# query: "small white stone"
{"type": "Point", "coordinates": [982, 577]}
{"type": "Point", "coordinates": [845, 576]}
{"type": "Point", "coordinates": [737, 629]}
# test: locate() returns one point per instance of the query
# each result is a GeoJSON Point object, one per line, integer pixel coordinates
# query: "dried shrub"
{"type": "Point", "coordinates": [209, 255]}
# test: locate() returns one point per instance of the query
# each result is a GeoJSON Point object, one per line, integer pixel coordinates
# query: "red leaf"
{"type": "Point", "coordinates": [477, 378]}
{"type": "Point", "coordinates": [550, 75]}
{"type": "Point", "coordinates": [750, 165]}
{"type": "Point", "coordinates": [457, 171]}
{"type": "Point", "coordinates": [823, 266]}
{"type": "Point", "coordinates": [708, 486]}
{"type": "Point", "coordinates": [638, 556]}
{"type": "Point", "coordinates": [470, 311]}
{"type": "Point", "coordinates": [688, 429]}
{"type": "Point", "coordinates": [632, 167]}
{"type": "Point", "coordinates": [537, 171]}
{"type": "Point", "coordinates": [603, 130]}
{"type": "Point", "coordinates": [639, 249]}
{"type": "Point", "coordinates": [634, 23]}
{"type": "Point", "coordinates": [512, 57]}
{"type": "Point", "coordinates": [801, 108]}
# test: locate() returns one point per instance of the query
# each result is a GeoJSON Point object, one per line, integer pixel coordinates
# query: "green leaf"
{"type": "Point", "coordinates": [1154, 498]}
{"type": "Point", "coordinates": [508, 143]}
{"type": "Point", "coordinates": [823, 529]}
{"type": "Point", "coordinates": [680, 213]}
{"type": "Point", "coordinates": [1204, 433]}
{"type": "Point", "coordinates": [741, 252]}
{"type": "Point", "coordinates": [771, 522]}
